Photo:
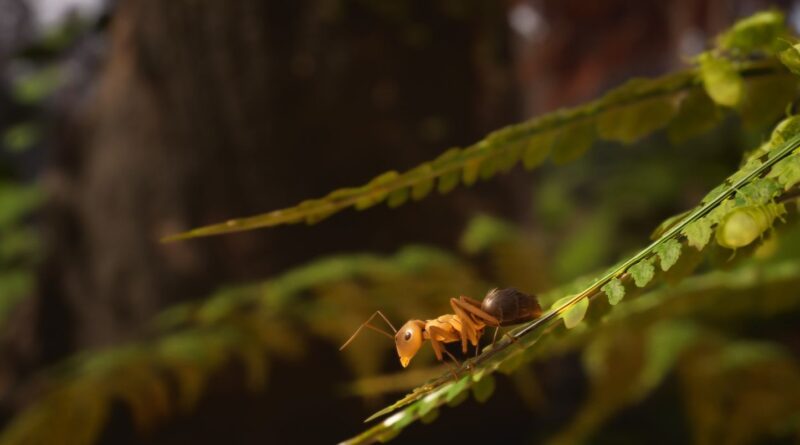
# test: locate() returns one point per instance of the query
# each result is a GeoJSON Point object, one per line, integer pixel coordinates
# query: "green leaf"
{"type": "Point", "coordinates": [747, 352]}
{"type": "Point", "coordinates": [369, 200]}
{"type": "Point", "coordinates": [787, 171]}
{"type": "Point", "coordinates": [642, 272]}
{"type": "Point", "coordinates": [428, 403]}
{"type": "Point", "coordinates": [668, 224]}
{"type": "Point", "coordinates": [665, 342]}
{"type": "Point", "coordinates": [630, 123]}
{"type": "Point", "coordinates": [721, 80]}
{"type": "Point", "coordinates": [449, 181]}
{"type": "Point", "coordinates": [483, 388]}
{"type": "Point", "coordinates": [790, 57]}
{"type": "Point", "coordinates": [614, 290]}
{"type": "Point", "coordinates": [784, 131]}
{"type": "Point", "coordinates": [758, 192]}
{"type": "Point", "coordinates": [429, 417]}
{"type": "Point", "coordinates": [35, 87]}
{"type": "Point", "coordinates": [483, 232]}
{"type": "Point", "coordinates": [573, 141]}
{"type": "Point", "coordinates": [424, 186]}
{"type": "Point", "coordinates": [20, 137]}
{"type": "Point", "coordinates": [538, 148]}
{"type": "Point", "coordinates": [20, 244]}
{"type": "Point", "coordinates": [398, 197]}
{"type": "Point", "coordinates": [574, 315]}
{"type": "Point", "coordinates": [765, 100]}
{"type": "Point", "coordinates": [696, 115]}
{"type": "Point", "coordinates": [16, 202]}
{"type": "Point", "coordinates": [15, 285]}
{"type": "Point", "coordinates": [452, 176]}
{"type": "Point", "coordinates": [758, 32]}
{"type": "Point", "coordinates": [512, 363]}
{"type": "Point", "coordinates": [457, 389]}
{"type": "Point", "coordinates": [668, 252]}
{"type": "Point", "coordinates": [509, 157]}
{"type": "Point", "coordinates": [698, 233]}
{"type": "Point", "coordinates": [488, 168]}
{"type": "Point", "coordinates": [458, 399]}
{"type": "Point", "coordinates": [470, 172]}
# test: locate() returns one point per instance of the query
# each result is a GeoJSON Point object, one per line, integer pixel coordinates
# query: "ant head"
{"type": "Point", "coordinates": [408, 340]}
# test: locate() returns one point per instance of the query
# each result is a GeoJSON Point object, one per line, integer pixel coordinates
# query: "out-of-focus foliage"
{"type": "Point", "coordinates": [19, 246]}
{"type": "Point", "coordinates": [639, 269]}
{"type": "Point", "coordinates": [625, 114]}
{"type": "Point", "coordinates": [37, 76]}
{"type": "Point", "coordinates": [251, 325]}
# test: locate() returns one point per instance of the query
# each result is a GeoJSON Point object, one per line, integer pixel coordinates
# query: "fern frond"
{"type": "Point", "coordinates": [708, 295]}
{"type": "Point", "coordinates": [571, 308]}
{"type": "Point", "coordinates": [625, 114]}
{"type": "Point", "coordinates": [169, 372]}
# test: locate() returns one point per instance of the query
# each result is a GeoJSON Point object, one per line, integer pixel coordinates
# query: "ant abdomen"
{"type": "Point", "coordinates": [511, 306]}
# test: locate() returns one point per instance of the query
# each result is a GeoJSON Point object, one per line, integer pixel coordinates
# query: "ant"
{"type": "Point", "coordinates": [500, 307]}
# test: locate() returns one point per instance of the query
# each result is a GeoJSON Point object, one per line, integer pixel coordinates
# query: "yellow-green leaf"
{"type": "Point", "coordinates": [452, 176]}
{"type": "Point", "coordinates": [628, 124]}
{"type": "Point", "coordinates": [537, 149]}
{"type": "Point", "coordinates": [398, 197]}
{"type": "Point", "coordinates": [377, 195]}
{"type": "Point", "coordinates": [483, 388]}
{"type": "Point", "coordinates": [509, 157]}
{"type": "Point", "coordinates": [758, 32]}
{"type": "Point", "coordinates": [787, 171]}
{"type": "Point", "coordinates": [790, 57]}
{"type": "Point", "coordinates": [642, 272]}
{"type": "Point", "coordinates": [574, 315]}
{"type": "Point", "coordinates": [471, 170]}
{"type": "Point", "coordinates": [614, 290]}
{"type": "Point", "coordinates": [488, 168]}
{"type": "Point", "coordinates": [721, 80]}
{"type": "Point", "coordinates": [573, 140]}
{"type": "Point", "coordinates": [668, 253]}
{"type": "Point", "coordinates": [766, 99]}
{"type": "Point", "coordinates": [456, 390]}
{"type": "Point", "coordinates": [698, 233]}
{"type": "Point", "coordinates": [696, 115]}
{"type": "Point", "coordinates": [425, 184]}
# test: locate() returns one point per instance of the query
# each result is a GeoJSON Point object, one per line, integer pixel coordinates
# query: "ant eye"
{"type": "Point", "coordinates": [407, 337]}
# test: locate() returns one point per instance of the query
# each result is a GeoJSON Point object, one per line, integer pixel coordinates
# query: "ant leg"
{"type": "Point", "coordinates": [505, 334]}
{"type": "Point", "coordinates": [458, 364]}
{"type": "Point", "coordinates": [438, 349]}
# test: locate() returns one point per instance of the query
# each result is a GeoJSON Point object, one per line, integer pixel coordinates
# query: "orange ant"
{"type": "Point", "coordinates": [500, 307]}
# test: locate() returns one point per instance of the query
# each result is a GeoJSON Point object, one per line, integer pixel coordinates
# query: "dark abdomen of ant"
{"type": "Point", "coordinates": [511, 306]}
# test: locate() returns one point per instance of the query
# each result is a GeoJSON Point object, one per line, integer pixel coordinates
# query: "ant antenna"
{"type": "Point", "coordinates": [367, 324]}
